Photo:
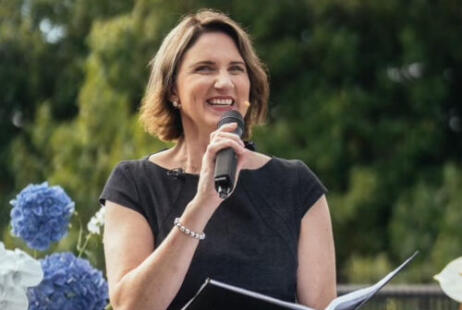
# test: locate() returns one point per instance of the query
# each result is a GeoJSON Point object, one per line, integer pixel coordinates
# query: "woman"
{"type": "Point", "coordinates": [272, 234]}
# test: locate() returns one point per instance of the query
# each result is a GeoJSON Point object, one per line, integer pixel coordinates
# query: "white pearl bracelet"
{"type": "Point", "coordinates": [187, 231]}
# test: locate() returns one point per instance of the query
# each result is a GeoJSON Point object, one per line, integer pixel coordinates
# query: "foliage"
{"type": "Point", "coordinates": [365, 92]}
{"type": "Point", "coordinates": [368, 269]}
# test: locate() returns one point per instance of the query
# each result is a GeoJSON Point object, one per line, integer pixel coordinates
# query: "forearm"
{"type": "Point", "coordinates": [157, 280]}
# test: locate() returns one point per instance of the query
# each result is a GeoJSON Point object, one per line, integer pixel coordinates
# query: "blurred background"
{"type": "Point", "coordinates": [365, 92]}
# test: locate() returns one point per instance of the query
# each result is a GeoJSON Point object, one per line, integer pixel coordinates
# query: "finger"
{"type": "Point", "coordinates": [226, 135]}
{"type": "Point", "coordinates": [216, 147]}
{"type": "Point", "coordinates": [213, 148]}
{"type": "Point", "coordinates": [228, 127]}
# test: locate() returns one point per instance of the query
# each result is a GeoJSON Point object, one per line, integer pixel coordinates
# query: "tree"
{"type": "Point", "coordinates": [359, 92]}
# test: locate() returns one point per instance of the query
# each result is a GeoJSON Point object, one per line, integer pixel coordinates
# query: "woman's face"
{"type": "Point", "coordinates": [212, 79]}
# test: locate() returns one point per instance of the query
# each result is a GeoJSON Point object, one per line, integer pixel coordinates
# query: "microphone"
{"type": "Point", "coordinates": [226, 159]}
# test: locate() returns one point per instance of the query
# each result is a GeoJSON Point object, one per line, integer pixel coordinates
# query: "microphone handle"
{"type": "Point", "coordinates": [225, 171]}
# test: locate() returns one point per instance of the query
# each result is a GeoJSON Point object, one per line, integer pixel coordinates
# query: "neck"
{"type": "Point", "coordinates": [188, 153]}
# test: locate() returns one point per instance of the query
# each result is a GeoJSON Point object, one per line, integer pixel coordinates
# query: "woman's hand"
{"type": "Point", "coordinates": [220, 139]}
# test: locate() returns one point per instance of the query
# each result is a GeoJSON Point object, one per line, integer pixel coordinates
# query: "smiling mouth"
{"type": "Point", "coordinates": [221, 102]}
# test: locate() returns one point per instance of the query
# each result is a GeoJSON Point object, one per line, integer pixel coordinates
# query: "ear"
{"type": "Point", "coordinates": [173, 95]}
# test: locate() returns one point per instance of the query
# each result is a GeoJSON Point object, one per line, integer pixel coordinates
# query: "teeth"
{"type": "Point", "coordinates": [220, 101]}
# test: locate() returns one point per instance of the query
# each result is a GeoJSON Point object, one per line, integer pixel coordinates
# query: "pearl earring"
{"type": "Point", "coordinates": [175, 104]}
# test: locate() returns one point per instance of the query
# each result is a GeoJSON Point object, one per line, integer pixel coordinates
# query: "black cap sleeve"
{"type": "Point", "coordinates": [121, 188]}
{"type": "Point", "coordinates": [310, 188]}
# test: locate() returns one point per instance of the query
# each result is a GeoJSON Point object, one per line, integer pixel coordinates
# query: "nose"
{"type": "Point", "coordinates": [223, 81]}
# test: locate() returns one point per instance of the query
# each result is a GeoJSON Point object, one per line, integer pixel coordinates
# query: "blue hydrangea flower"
{"type": "Point", "coordinates": [41, 215]}
{"type": "Point", "coordinates": [69, 283]}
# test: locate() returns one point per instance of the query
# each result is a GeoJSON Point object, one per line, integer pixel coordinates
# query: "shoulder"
{"type": "Point", "coordinates": [130, 166]}
{"type": "Point", "coordinates": [292, 166]}
{"type": "Point", "coordinates": [135, 169]}
{"type": "Point", "coordinates": [295, 171]}
{"type": "Point", "coordinates": [270, 167]}
{"type": "Point", "coordinates": [258, 160]}
{"type": "Point", "coordinates": [162, 158]}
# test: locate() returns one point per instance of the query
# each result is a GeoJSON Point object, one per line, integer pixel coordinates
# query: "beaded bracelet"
{"type": "Point", "coordinates": [187, 231]}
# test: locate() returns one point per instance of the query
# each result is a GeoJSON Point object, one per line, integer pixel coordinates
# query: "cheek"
{"type": "Point", "coordinates": [192, 88]}
{"type": "Point", "coordinates": [200, 84]}
{"type": "Point", "coordinates": [243, 86]}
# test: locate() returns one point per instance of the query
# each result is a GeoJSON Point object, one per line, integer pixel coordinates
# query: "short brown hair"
{"type": "Point", "coordinates": [157, 115]}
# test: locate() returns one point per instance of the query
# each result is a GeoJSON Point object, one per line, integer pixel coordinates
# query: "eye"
{"type": "Point", "coordinates": [204, 68]}
{"type": "Point", "coordinates": [237, 68]}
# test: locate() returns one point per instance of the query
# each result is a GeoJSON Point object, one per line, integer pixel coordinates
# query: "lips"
{"type": "Point", "coordinates": [221, 102]}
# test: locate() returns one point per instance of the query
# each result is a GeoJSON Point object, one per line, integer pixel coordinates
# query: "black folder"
{"type": "Point", "coordinates": [218, 295]}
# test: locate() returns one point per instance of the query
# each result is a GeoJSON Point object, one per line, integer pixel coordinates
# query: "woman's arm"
{"type": "Point", "coordinates": [141, 277]}
{"type": "Point", "coordinates": [316, 277]}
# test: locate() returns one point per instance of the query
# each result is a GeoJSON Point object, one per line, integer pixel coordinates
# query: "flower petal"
{"type": "Point", "coordinates": [450, 279]}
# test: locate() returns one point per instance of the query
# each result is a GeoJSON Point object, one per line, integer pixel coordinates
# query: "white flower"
{"type": "Point", "coordinates": [18, 271]}
{"type": "Point", "coordinates": [13, 298]}
{"type": "Point", "coordinates": [96, 222]}
{"type": "Point", "coordinates": [450, 279]}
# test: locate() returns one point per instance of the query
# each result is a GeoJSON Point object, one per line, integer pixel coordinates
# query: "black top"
{"type": "Point", "coordinates": [251, 239]}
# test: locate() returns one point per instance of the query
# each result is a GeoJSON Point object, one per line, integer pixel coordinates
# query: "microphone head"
{"type": "Point", "coordinates": [233, 117]}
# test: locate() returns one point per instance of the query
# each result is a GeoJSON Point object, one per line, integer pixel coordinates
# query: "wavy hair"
{"type": "Point", "coordinates": [157, 114]}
